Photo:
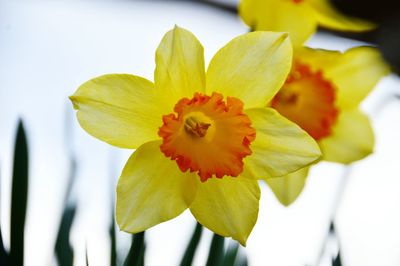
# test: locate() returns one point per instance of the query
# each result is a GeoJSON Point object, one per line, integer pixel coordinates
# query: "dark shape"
{"type": "Point", "coordinates": [332, 228]}
{"type": "Point", "coordinates": [386, 14]}
{"type": "Point", "coordinates": [71, 179]}
{"type": "Point", "coordinates": [3, 253]}
{"type": "Point", "coordinates": [192, 246]}
{"type": "Point", "coordinates": [86, 256]}
{"type": "Point", "coordinates": [241, 261]}
{"type": "Point", "coordinates": [377, 11]}
{"type": "Point", "coordinates": [216, 253]}
{"type": "Point", "coordinates": [136, 253]}
{"type": "Point", "coordinates": [332, 234]}
{"type": "Point", "coordinates": [231, 8]}
{"type": "Point", "coordinates": [388, 39]}
{"type": "Point", "coordinates": [231, 254]}
{"type": "Point", "coordinates": [19, 195]}
{"type": "Point", "coordinates": [337, 261]}
{"type": "Point", "coordinates": [113, 256]}
{"type": "Point", "coordinates": [64, 251]}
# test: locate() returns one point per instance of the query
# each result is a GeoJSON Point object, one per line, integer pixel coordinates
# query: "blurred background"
{"type": "Point", "coordinates": [49, 48]}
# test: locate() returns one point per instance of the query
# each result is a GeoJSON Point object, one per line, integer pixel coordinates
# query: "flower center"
{"type": "Point", "coordinates": [308, 99]}
{"type": "Point", "coordinates": [208, 135]}
{"type": "Point", "coordinates": [195, 127]}
{"type": "Point", "coordinates": [297, 1]}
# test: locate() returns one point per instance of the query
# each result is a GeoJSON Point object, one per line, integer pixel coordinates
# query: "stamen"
{"type": "Point", "coordinates": [195, 127]}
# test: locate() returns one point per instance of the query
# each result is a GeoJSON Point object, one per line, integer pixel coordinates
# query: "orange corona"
{"type": "Point", "coordinates": [308, 99]}
{"type": "Point", "coordinates": [208, 135]}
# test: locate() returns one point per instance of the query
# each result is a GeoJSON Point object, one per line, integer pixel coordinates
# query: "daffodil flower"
{"type": "Point", "coordinates": [298, 17]}
{"type": "Point", "coordinates": [202, 139]}
{"type": "Point", "coordinates": [322, 95]}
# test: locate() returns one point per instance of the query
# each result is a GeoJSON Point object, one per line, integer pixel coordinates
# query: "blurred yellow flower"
{"type": "Point", "coordinates": [322, 95]}
{"type": "Point", "coordinates": [298, 17]}
{"type": "Point", "coordinates": [194, 148]}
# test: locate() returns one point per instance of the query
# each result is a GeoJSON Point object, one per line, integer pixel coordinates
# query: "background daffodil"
{"type": "Point", "coordinates": [322, 95]}
{"type": "Point", "coordinates": [202, 139]}
{"type": "Point", "coordinates": [298, 17]}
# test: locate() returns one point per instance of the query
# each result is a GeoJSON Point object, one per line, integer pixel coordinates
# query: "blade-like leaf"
{"type": "Point", "coordinates": [3, 252]}
{"type": "Point", "coordinates": [337, 261]}
{"type": "Point", "coordinates": [86, 256]}
{"type": "Point", "coordinates": [216, 253]}
{"type": "Point", "coordinates": [231, 254]}
{"type": "Point", "coordinates": [192, 246]}
{"type": "Point", "coordinates": [332, 230]}
{"type": "Point", "coordinates": [113, 256]}
{"type": "Point", "coordinates": [64, 251]}
{"type": "Point", "coordinates": [19, 195]}
{"type": "Point", "coordinates": [136, 253]}
{"type": "Point", "coordinates": [241, 261]}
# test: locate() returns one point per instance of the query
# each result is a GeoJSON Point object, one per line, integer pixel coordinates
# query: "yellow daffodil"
{"type": "Point", "coordinates": [298, 17]}
{"type": "Point", "coordinates": [322, 95]}
{"type": "Point", "coordinates": [202, 139]}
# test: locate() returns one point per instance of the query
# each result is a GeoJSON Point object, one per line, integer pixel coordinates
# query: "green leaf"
{"type": "Point", "coordinates": [332, 230]}
{"type": "Point", "coordinates": [3, 252]}
{"type": "Point", "coordinates": [71, 179]}
{"type": "Point", "coordinates": [113, 256]}
{"type": "Point", "coordinates": [19, 195]}
{"type": "Point", "coordinates": [231, 254]}
{"type": "Point", "coordinates": [192, 246]}
{"type": "Point", "coordinates": [64, 251]}
{"type": "Point", "coordinates": [136, 252]}
{"type": "Point", "coordinates": [337, 261]}
{"type": "Point", "coordinates": [241, 261]}
{"type": "Point", "coordinates": [86, 256]}
{"type": "Point", "coordinates": [216, 253]}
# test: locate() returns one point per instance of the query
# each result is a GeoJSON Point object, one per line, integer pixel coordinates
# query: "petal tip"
{"type": "Point", "coordinates": [242, 241]}
{"type": "Point", "coordinates": [176, 27]}
{"type": "Point", "coordinates": [318, 153]}
{"type": "Point", "coordinates": [285, 35]}
{"type": "Point", "coordinates": [74, 100]}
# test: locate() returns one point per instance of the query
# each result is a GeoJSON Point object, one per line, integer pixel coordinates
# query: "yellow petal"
{"type": "Point", "coordinates": [355, 74]}
{"type": "Point", "coordinates": [249, 12]}
{"type": "Point", "coordinates": [316, 59]}
{"type": "Point", "coordinates": [180, 70]}
{"type": "Point", "coordinates": [287, 188]}
{"type": "Point", "coordinates": [228, 206]}
{"type": "Point", "coordinates": [352, 138]}
{"type": "Point", "coordinates": [152, 189]}
{"type": "Point", "coordinates": [280, 147]}
{"type": "Point", "coordinates": [328, 16]}
{"type": "Point", "coordinates": [251, 67]}
{"type": "Point", "coordinates": [122, 110]}
{"type": "Point", "coordinates": [276, 15]}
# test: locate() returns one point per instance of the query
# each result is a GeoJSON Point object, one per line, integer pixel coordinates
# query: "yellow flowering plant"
{"type": "Point", "coordinates": [202, 139]}
{"type": "Point", "coordinates": [298, 17]}
{"type": "Point", "coordinates": [322, 95]}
